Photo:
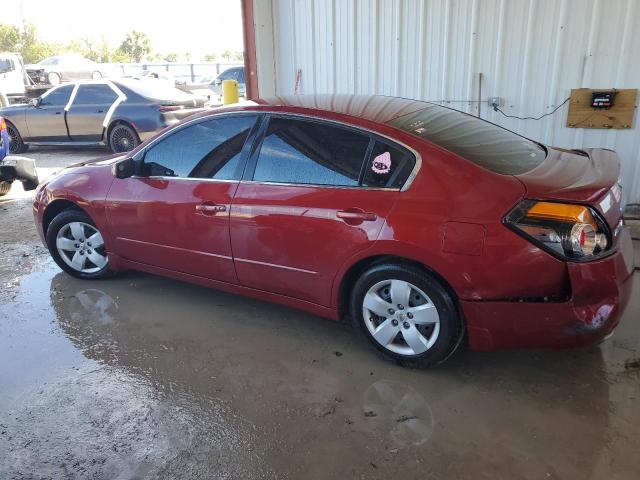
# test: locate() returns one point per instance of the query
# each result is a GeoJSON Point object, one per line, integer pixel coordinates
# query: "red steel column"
{"type": "Point", "coordinates": [250, 61]}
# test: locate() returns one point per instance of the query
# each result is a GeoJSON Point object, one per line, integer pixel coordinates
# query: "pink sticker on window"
{"type": "Point", "coordinates": [382, 163]}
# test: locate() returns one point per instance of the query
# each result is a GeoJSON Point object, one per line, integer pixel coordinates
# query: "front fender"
{"type": "Point", "coordinates": [87, 187]}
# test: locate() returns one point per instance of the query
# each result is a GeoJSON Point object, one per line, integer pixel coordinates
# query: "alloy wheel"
{"type": "Point", "coordinates": [122, 139]}
{"type": "Point", "coordinates": [401, 317]}
{"type": "Point", "coordinates": [14, 140]}
{"type": "Point", "coordinates": [81, 246]}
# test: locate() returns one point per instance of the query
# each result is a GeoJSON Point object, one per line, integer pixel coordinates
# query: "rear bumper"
{"type": "Point", "coordinates": [600, 293]}
{"type": "Point", "coordinates": [19, 168]}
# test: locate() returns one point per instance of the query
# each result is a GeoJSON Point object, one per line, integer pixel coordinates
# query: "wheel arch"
{"type": "Point", "coordinates": [54, 208]}
{"type": "Point", "coordinates": [356, 269]}
{"type": "Point", "coordinates": [119, 121]}
{"type": "Point", "coordinates": [13, 125]}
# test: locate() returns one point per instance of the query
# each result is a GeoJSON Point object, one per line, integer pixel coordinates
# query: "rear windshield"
{"type": "Point", "coordinates": [481, 142]}
{"type": "Point", "coordinates": [154, 90]}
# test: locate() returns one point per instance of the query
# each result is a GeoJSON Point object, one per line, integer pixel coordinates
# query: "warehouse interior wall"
{"type": "Point", "coordinates": [531, 53]}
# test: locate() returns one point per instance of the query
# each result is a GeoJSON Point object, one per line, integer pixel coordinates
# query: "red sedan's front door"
{"type": "Point", "coordinates": [182, 224]}
{"type": "Point", "coordinates": [175, 215]}
{"type": "Point", "coordinates": [307, 209]}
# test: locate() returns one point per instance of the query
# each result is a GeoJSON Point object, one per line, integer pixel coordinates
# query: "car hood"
{"type": "Point", "coordinates": [99, 161]}
{"type": "Point", "coordinates": [35, 66]}
{"type": "Point", "coordinates": [13, 110]}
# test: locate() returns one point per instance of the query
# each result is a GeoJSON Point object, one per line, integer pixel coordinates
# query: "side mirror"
{"type": "Point", "coordinates": [124, 168]}
{"type": "Point", "coordinates": [35, 102]}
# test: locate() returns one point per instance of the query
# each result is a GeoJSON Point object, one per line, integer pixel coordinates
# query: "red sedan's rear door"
{"type": "Point", "coordinates": [301, 213]}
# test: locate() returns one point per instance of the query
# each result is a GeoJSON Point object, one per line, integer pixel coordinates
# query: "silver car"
{"type": "Point", "coordinates": [63, 68]}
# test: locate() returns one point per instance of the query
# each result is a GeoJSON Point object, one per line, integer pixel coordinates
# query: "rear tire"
{"type": "Point", "coordinates": [4, 188]}
{"type": "Point", "coordinates": [16, 145]}
{"type": "Point", "coordinates": [76, 245]}
{"type": "Point", "coordinates": [406, 315]}
{"type": "Point", "coordinates": [123, 138]}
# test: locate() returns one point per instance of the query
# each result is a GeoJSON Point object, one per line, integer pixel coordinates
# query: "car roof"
{"type": "Point", "coordinates": [375, 108]}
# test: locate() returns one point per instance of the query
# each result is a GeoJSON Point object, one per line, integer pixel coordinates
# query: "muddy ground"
{"type": "Point", "coordinates": [144, 377]}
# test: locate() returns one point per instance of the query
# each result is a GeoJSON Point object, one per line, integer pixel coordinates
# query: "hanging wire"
{"type": "Point", "coordinates": [497, 109]}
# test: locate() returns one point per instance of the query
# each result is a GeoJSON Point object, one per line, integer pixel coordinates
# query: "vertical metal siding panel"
{"type": "Point", "coordinates": [285, 46]}
{"type": "Point", "coordinates": [498, 68]}
{"type": "Point", "coordinates": [434, 50]}
{"type": "Point", "coordinates": [304, 32]}
{"type": "Point", "coordinates": [472, 70]}
{"type": "Point", "coordinates": [628, 142]}
{"type": "Point", "coordinates": [531, 53]}
{"type": "Point", "coordinates": [555, 96]}
{"type": "Point", "coordinates": [344, 49]}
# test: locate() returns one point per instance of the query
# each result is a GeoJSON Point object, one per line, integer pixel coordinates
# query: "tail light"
{"type": "Point", "coordinates": [568, 231]}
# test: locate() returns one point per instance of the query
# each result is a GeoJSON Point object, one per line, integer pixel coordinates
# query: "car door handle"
{"type": "Point", "coordinates": [210, 209]}
{"type": "Point", "coordinates": [58, 113]}
{"type": "Point", "coordinates": [355, 216]}
{"type": "Point", "coordinates": [100, 111]}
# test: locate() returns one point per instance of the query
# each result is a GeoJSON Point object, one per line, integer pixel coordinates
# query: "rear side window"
{"type": "Point", "coordinates": [94, 95]}
{"type": "Point", "coordinates": [388, 166]}
{"type": "Point", "coordinates": [306, 152]}
{"type": "Point", "coordinates": [209, 149]}
{"type": "Point", "coordinates": [481, 142]}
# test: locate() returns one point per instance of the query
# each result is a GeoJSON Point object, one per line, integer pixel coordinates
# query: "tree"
{"type": "Point", "coordinates": [136, 46]}
{"type": "Point", "coordinates": [9, 38]}
{"type": "Point", "coordinates": [32, 50]}
{"type": "Point", "coordinates": [239, 56]}
{"type": "Point", "coordinates": [227, 55]}
{"type": "Point", "coordinates": [171, 57]}
{"type": "Point", "coordinates": [118, 56]}
{"type": "Point", "coordinates": [211, 57]}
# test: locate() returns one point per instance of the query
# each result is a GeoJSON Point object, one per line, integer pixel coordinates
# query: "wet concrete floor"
{"type": "Point", "coordinates": [144, 377]}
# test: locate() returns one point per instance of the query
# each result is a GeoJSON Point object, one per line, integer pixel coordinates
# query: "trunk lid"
{"type": "Point", "coordinates": [588, 176]}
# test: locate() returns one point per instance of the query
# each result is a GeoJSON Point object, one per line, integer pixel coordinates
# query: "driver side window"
{"type": "Point", "coordinates": [58, 97]}
{"type": "Point", "coordinates": [208, 149]}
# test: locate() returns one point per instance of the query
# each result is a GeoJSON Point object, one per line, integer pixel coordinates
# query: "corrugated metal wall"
{"type": "Point", "coordinates": [530, 52]}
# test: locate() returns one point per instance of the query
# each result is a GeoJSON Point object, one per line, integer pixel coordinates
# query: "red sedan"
{"type": "Point", "coordinates": [421, 224]}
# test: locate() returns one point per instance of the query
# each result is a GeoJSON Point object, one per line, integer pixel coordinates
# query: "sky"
{"type": "Point", "coordinates": [180, 26]}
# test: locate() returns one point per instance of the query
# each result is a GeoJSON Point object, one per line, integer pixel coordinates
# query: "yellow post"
{"type": "Point", "coordinates": [229, 92]}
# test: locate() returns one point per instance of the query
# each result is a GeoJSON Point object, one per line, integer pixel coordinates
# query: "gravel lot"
{"type": "Point", "coordinates": [144, 377]}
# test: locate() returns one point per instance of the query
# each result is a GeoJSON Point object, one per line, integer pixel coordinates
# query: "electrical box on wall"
{"type": "Point", "coordinates": [601, 108]}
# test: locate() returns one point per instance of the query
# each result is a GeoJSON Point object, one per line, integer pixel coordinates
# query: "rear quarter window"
{"type": "Point", "coordinates": [388, 166]}
{"type": "Point", "coordinates": [481, 142]}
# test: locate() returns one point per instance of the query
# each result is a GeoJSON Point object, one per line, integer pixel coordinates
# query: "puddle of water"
{"type": "Point", "coordinates": [140, 376]}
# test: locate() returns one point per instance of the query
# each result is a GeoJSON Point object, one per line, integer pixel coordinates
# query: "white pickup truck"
{"type": "Point", "coordinates": [12, 77]}
{"type": "Point", "coordinates": [15, 84]}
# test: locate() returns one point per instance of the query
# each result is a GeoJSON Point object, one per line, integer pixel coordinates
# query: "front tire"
{"type": "Point", "coordinates": [16, 145]}
{"type": "Point", "coordinates": [123, 138]}
{"type": "Point", "coordinates": [77, 246]}
{"type": "Point", "coordinates": [406, 314]}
